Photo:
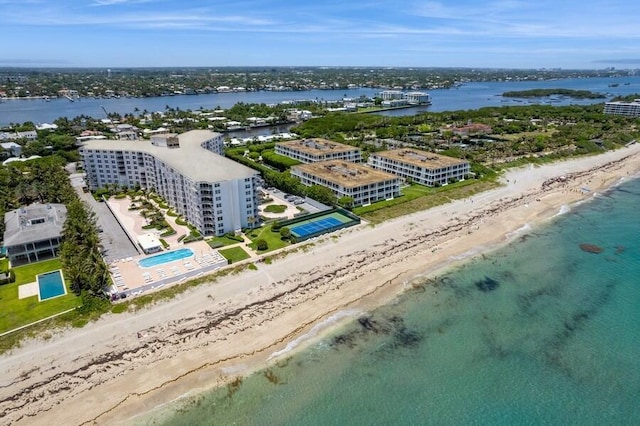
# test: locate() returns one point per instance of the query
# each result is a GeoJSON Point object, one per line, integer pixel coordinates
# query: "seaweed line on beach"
{"type": "Point", "coordinates": [42, 390]}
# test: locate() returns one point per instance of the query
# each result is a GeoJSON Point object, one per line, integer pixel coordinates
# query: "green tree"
{"type": "Point", "coordinates": [261, 245]}
{"type": "Point", "coordinates": [321, 194]}
{"type": "Point", "coordinates": [80, 251]}
{"type": "Point", "coordinates": [285, 233]}
{"type": "Point", "coordinates": [346, 202]}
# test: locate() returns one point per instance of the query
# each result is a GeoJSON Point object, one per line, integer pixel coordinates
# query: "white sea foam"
{"type": "Point", "coordinates": [315, 330]}
{"type": "Point", "coordinates": [467, 254]}
{"type": "Point", "coordinates": [522, 230]}
{"type": "Point", "coordinates": [563, 209]}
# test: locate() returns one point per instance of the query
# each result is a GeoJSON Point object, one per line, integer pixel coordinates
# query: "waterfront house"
{"type": "Point", "coordinates": [33, 233]}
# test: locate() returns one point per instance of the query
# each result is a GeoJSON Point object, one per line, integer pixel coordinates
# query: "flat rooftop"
{"type": "Point", "coordinates": [418, 158]}
{"type": "Point", "coordinates": [317, 146]}
{"type": "Point", "coordinates": [190, 159]}
{"type": "Point", "coordinates": [634, 102]}
{"type": "Point", "coordinates": [345, 173]}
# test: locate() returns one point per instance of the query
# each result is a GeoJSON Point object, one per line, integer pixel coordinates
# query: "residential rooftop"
{"type": "Point", "coordinates": [317, 146]}
{"type": "Point", "coordinates": [345, 173]}
{"type": "Point", "coordinates": [190, 159]}
{"type": "Point", "coordinates": [418, 158]}
{"type": "Point", "coordinates": [36, 222]}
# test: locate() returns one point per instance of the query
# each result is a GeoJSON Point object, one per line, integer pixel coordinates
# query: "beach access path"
{"type": "Point", "coordinates": [124, 365]}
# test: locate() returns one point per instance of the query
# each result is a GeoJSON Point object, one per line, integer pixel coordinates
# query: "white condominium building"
{"type": "Point", "coordinates": [215, 194]}
{"type": "Point", "coordinates": [314, 150]}
{"type": "Point", "coordinates": [346, 179]}
{"type": "Point", "coordinates": [629, 109]}
{"type": "Point", "coordinates": [418, 98]}
{"type": "Point", "coordinates": [389, 95]}
{"type": "Point", "coordinates": [420, 167]}
{"type": "Point", "coordinates": [411, 98]}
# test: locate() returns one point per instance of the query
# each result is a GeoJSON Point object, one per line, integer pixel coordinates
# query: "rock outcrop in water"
{"type": "Point", "coordinates": [487, 284]}
{"type": "Point", "coordinates": [591, 248]}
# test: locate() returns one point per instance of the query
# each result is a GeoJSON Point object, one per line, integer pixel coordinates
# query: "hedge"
{"type": "Point", "coordinates": [10, 279]}
{"type": "Point", "coordinates": [191, 238]}
{"type": "Point", "coordinates": [169, 232]}
{"type": "Point", "coordinates": [234, 237]}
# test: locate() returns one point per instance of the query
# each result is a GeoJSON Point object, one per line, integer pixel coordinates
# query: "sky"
{"type": "Point", "coordinates": [580, 34]}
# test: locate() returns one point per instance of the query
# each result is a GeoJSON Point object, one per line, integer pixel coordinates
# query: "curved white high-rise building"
{"type": "Point", "coordinates": [215, 194]}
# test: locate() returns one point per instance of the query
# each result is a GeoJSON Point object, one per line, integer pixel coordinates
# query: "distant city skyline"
{"type": "Point", "coordinates": [570, 34]}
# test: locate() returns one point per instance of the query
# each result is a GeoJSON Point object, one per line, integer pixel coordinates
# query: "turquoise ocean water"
{"type": "Point", "coordinates": [536, 332]}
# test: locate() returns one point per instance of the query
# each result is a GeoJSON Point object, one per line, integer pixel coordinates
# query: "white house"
{"type": "Point", "coordinates": [33, 233]}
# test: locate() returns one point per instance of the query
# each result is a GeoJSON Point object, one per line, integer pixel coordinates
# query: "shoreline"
{"type": "Point", "coordinates": [214, 333]}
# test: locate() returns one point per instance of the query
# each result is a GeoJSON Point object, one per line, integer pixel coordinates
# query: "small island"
{"type": "Point", "coordinates": [539, 93]}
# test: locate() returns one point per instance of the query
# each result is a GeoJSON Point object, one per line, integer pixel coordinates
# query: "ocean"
{"type": "Point", "coordinates": [543, 330]}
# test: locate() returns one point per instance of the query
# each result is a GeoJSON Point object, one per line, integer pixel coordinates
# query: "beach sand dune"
{"type": "Point", "coordinates": [124, 365]}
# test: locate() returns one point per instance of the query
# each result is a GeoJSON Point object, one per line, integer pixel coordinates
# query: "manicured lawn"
{"type": "Point", "coordinates": [16, 312]}
{"type": "Point", "coordinates": [417, 198]}
{"type": "Point", "coordinates": [234, 254]}
{"type": "Point", "coordinates": [273, 239]}
{"type": "Point", "coordinates": [222, 241]}
{"type": "Point", "coordinates": [4, 264]}
{"type": "Point", "coordinates": [275, 208]}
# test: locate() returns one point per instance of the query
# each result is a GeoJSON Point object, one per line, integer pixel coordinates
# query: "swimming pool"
{"type": "Point", "coordinates": [50, 285]}
{"type": "Point", "coordinates": [170, 256]}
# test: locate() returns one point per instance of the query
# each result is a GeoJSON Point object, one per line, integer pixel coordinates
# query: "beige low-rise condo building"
{"type": "Point", "coordinates": [421, 167]}
{"type": "Point", "coordinates": [315, 150]}
{"type": "Point", "coordinates": [346, 179]}
{"type": "Point", "coordinates": [215, 194]}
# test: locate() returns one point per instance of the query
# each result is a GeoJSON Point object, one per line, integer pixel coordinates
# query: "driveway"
{"type": "Point", "coordinates": [115, 242]}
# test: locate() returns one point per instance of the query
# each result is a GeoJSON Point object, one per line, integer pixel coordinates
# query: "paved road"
{"type": "Point", "coordinates": [115, 242]}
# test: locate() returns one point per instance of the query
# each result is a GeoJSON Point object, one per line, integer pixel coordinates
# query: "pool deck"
{"type": "Point", "coordinates": [133, 222]}
{"type": "Point", "coordinates": [130, 278]}
{"type": "Point", "coordinates": [28, 290]}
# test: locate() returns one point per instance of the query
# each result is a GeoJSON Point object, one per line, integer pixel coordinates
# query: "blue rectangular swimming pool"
{"type": "Point", "coordinates": [50, 285]}
{"type": "Point", "coordinates": [169, 256]}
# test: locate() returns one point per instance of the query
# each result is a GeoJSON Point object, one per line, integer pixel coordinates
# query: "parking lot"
{"type": "Point", "coordinates": [294, 202]}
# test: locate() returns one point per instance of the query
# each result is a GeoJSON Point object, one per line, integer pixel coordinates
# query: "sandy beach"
{"type": "Point", "coordinates": [125, 365]}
